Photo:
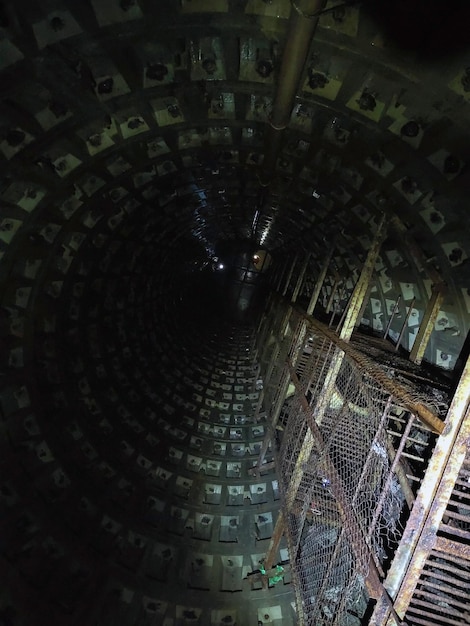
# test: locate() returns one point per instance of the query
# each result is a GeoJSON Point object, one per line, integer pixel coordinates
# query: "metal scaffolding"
{"type": "Point", "coordinates": [352, 444]}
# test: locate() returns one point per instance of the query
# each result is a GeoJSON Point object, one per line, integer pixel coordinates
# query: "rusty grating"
{"type": "Point", "coordinates": [442, 593]}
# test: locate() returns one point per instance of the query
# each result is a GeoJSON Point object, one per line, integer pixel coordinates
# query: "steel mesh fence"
{"type": "Point", "coordinates": [331, 482]}
{"type": "Point", "coordinates": [343, 426]}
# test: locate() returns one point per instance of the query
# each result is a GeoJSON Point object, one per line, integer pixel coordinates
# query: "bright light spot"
{"type": "Point", "coordinates": [220, 266]}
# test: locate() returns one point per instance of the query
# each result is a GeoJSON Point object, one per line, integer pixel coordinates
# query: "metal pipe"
{"type": "Point", "coordinates": [299, 36]}
{"type": "Point", "coordinates": [395, 309]}
{"type": "Point", "coordinates": [289, 275]}
{"type": "Point", "coordinates": [300, 278]}
{"type": "Point", "coordinates": [405, 322]}
{"type": "Point", "coordinates": [357, 300]}
{"type": "Point", "coordinates": [320, 281]}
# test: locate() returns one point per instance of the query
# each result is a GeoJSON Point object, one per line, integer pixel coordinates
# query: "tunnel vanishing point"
{"type": "Point", "coordinates": [235, 305]}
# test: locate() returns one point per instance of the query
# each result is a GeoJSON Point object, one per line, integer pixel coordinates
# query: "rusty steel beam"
{"type": "Point", "coordinates": [332, 294]}
{"type": "Point", "coordinates": [405, 323]}
{"type": "Point", "coordinates": [400, 473]}
{"type": "Point", "coordinates": [275, 541]}
{"type": "Point", "coordinates": [419, 536]}
{"type": "Point", "coordinates": [392, 471]}
{"type": "Point", "coordinates": [345, 508]}
{"type": "Point", "coordinates": [454, 548]}
{"type": "Point", "coordinates": [300, 279]}
{"type": "Point", "coordinates": [393, 387]}
{"type": "Point", "coordinates": [427, 324]}
{"type": "Point", "coordinates": [320, 280]}
{"type": "Point", "coordinates": [323, 398]}
{"type": "Point", "coordinates": [360, 290]}
{"type": "Point", "coordinates": [392, 316]}
{"type": "Point", "coordinates": [436, 511]}
{"type": "Point", "coordinates": [274, 418]}
{"type": "Point", "coordinates": [289, 275]}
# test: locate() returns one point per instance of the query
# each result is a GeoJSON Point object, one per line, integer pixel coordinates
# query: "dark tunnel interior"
{"type": "Point", "coordinates": [165, 167]}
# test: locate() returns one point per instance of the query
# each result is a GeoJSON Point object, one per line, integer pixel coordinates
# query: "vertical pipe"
{"type": "Point", "coordinates": [395, 309]}
{"type": "Point", "coordinates": [289, 275]}
{"type": "Point", "coordinates": [405, 322]}
{"type": "Point", "coordinates": [360, 290]}
{"type": "Point", "coordinates": [319, 282]}
{"type": "Point", "coordinates": [300, 279]}
{"type": "Point", "coordinates": [299, 36]}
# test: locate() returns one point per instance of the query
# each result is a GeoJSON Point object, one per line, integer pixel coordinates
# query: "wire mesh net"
{"type": "Point", "coordinates": [333, 465]}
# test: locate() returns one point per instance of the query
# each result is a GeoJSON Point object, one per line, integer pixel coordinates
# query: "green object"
{"type": "Point", "coordinates": [275, 579]}
{"type": "Point", "coordinates": [262, 570]}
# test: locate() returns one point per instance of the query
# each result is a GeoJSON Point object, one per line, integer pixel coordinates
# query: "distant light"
{"type": "Point", "coordinates": [220, 266]}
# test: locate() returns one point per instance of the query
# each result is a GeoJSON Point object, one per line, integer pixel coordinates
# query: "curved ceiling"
{"type": "Point", "coordinates": [126, 118]}
{"type": "Point", "coordinates": [132, 149]}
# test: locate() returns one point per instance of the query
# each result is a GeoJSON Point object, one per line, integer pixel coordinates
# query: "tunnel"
{"type": "Point", "coordinates": [198, 196]}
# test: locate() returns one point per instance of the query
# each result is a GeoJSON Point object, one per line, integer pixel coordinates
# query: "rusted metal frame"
{"type": "Point", "coordinates": [319, 282]}
{"type": "Point", "coordinates": [362, 285]}
{"type": "Point", "coordinates": [328, 386]}
{"type": "Point", "coordinates": [324, 358]}
{"type": "Point", "coordinates": [333, 293]}
{"type": "Point", "coordinates": [435, 513]}
{"type": "Point", "coordinates": [451, 609]}
{"type": "Point", "coordinates": [275, 338]}
{"type": "Point", "coordinates": [341, 535]}
{"type": "Point", "coordinates": [277, 279]}
{"type": "Point", "coordinates": [427, 613]}
{"type": "Point", "coordinates": [426, 618]}
{"type": "Point", "coordinates": [392, 387]}
{"type": "Point", "coordinates": [392, 471]}
{"type": "Point", "coordinates": [447, 578]}
{"type": "Point", "coordinates": [320, 406]}
{"type": "Point", "coordinates": [427, 584]}
{"type": "Point", "coordinates": [343, 314]}
{"type": "Point", "coordinates": [458, 563]}
{"type": "Point", "coordinates": [429, 505]}
{"type": "Point", "coordinates": [400, 471]}
{"type": "Point", "coordinates": [300, 279]}
{"type": "Point", "coordinates": [405, 324]}
{"type": "Point", "coordinates": [276, 537]}
{"type": "Point", "coordinates": [268, 311]}
{"type": "Point", "coordinates": [316, 364]}
{"type": "Point", "coordinates": [427, 324]}
{"type": "Point", "coordinates": [274, 418]}
{"type": "Point", "coordinates": [281, 521]}
{"type": "Point", "coordinates": [455, 548]}
{"type": "Point", "coordinates": [353, 528]}
{"type": "Point", "coordinates": [343, 530]}
{"type": "Point", "coordinates": [392, 316]}
{"type": "Point", "coordinates": [259, 405]}
{"type": "Point", "coordinates": [289, 275]}
{"type": "Point", "coordinates": [282, 386]}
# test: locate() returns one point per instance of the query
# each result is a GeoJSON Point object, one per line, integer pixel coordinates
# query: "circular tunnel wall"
{"type": "Point", "coordinates": [132, 148]}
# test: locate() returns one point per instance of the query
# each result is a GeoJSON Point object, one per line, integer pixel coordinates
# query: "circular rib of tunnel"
{"type": "Point", "coordinates": [136, 247]}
